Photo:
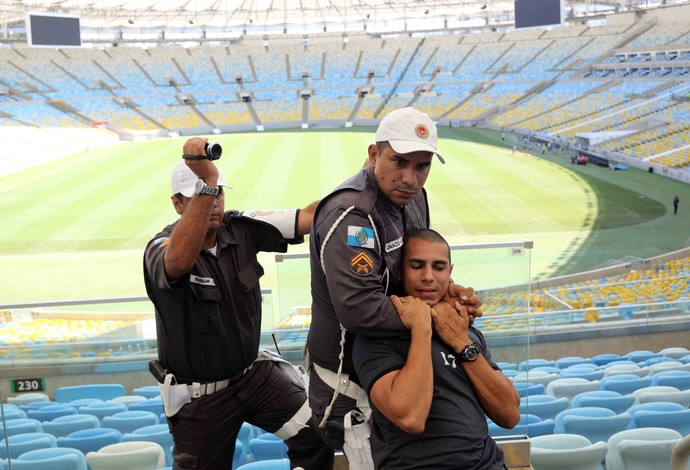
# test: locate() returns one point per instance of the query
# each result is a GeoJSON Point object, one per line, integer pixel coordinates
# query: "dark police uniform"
{"type": "Point", "coordinates": [208, 325]}
{"type": "Point", "coordinates": [361, 263]}
{"type": "Point", "coordinates": [456, 434]}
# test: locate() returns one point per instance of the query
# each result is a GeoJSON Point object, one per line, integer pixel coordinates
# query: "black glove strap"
{"type": "Point", "coordinates": [198, 157]}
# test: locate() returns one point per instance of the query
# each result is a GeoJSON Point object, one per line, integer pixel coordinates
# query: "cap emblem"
{"type": "Point", "coordinates": [421, 131]}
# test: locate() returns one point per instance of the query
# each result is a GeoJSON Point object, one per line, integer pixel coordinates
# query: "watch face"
{"type": "Point", "coordinates": [202, 188]}
{"type": "Point", "coordinates": [471, 352]}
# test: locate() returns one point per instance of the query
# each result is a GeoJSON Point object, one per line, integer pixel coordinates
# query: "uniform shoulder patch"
{"type": "Point", "coordinates": [362, 237]}
{"type": "Point", "coordinates": [163, 241]}
{"type": "Point", "coordinates": [361, 264]}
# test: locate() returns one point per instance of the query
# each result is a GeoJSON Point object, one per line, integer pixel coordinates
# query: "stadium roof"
{"type": "Point", "coordinates": [257, 14]}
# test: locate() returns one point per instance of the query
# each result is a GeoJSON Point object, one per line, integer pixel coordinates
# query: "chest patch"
{"type": "Point", "coordinates": [360, 236]}
{"type": "Point", "coordinates": [204, 281]}
{"type": "Point", "coordinates": [361, 264]}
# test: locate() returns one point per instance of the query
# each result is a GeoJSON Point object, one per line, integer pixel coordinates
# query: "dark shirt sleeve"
{"type": "Point", "coordinates": [478, 337]}
{"type": "Point", "coordinates": [375, 357]}
{"type": "Point", "coordinates": [353, 273]}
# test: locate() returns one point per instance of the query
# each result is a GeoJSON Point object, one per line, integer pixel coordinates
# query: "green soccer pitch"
{"type": "Point", "coordinates": [76, 227]}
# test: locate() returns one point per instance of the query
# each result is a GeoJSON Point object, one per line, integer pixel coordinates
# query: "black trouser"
{"type": "Point", "coordinates": [205, 430]}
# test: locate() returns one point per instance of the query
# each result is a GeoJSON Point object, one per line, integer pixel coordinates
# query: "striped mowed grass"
{"type": "Point", "coordinates": [76, 227]}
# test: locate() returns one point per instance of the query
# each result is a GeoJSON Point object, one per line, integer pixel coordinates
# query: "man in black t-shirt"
{"type": "Point", "coordinates": [432, 389]}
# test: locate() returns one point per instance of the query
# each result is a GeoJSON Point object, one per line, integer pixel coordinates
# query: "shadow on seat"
{"type": "Point", "coordinates": [566, 452]}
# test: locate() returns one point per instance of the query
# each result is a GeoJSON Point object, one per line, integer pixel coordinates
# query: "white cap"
{"type": "Point", "coordinates": [184, 180]}
{"type": "Point", "coordinates": [408, 130]}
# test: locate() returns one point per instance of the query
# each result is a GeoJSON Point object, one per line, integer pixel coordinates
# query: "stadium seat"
{"type": "Point", "coordinates": [267, 447]}
{"type": "Point", "coordinates": [49, 413]}
{"type": "Point", "coordinates": [596, 424]}
{"type": "Point", "coordinates": [679, 379]}
{"type": "Point", "coordinates": [20, 426]}
{"type": "Point", "coordinates": [154, 405]}
{"type": "Point", "coordinates": [139, 455]}
{"type": "Point", "coordinates": [128, 421]}
{"type": "Point", "coordinates": [147, 391]}
{"type": "Point", "coordinates": [101, 391]}
{"type": "Point", "coordinates": [643, 454]}
{"type": "Point", "coordinates": [90, 440]}
{"type": "Point", "coordinates": [274, 464]}
{"type": "Point", "coordinates": [101, 410]}
{"type": "Point", "coordinates": [676, 420]}
{"type": "Point", "coordinates": [672, 396]}
{"type": "Point", "coordinates": [570, 387]}
{"type": "Point", "coordinates": [614, 401]}
{"type": "Point", "coordinates": [239, 457]}
{"type": "Point", "coordinates": [544, 406]}
{"type": "Point", "coordinates": [566, 452]}
{"type": "Point", "coordinates": [20, 443]}
{"type": "Point", "coordinates": [624, 383]}
{"type": "Point", "coordinates": [529, 389]}
{"type": "Point", "coordinates": [65, 425]}
{"type": "Point", "coordinates": [159, 433]}
{"type": "Point", "coordinates": [613, 458]}
{"type": "Point", "coordinates": [534, 376]}
{"type": "Point", "coordinates": [529, 425]}
{"type": "Point", "coordinates": [27, 398]}
{"type": "Point", "coordinates": [52, 458]}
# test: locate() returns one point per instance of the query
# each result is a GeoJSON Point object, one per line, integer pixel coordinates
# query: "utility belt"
{"type": "Point", "coordinates": [199, 389]}
{"type": "Point", "coordinates": [178, 391]}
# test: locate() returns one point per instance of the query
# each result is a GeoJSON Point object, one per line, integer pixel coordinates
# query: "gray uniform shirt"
{"type": "Point", "coordinates": [354, 289]}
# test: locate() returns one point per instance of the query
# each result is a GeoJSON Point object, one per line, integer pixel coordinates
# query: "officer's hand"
{"type": "Point", "coordinates": [204, 168]}
{"type": "Point", "coordinates": [467, 298]}
{"type": "Point", "coordinates": [451, 323]}
{"type": "Point", "coordinates": [413, 312]}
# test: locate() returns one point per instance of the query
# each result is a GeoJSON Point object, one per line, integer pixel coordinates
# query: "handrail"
{"type": "Point", "coordinates": [528, 244]}
{"type": "Point", "coordinates": [102, 300]}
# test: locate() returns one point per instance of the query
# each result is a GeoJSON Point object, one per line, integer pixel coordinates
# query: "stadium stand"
{"type": "Point", "coordinates": [622, 89]}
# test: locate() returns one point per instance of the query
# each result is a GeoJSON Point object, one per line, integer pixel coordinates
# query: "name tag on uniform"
{"type": "Point", "coordinates": [394, 245]}
{"type": "Point", "coordinates": [362, 237]}
{"type": "Point", "coordinates": [204, 281]}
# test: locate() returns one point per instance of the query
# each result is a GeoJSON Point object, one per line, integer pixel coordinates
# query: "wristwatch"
{"type": "Point", "coordinates": [469, 353]}
{"type": "Point", "coordinates": [202, 188]}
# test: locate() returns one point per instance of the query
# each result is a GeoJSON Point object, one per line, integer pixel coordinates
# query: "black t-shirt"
{"type": "Point", "coordinates": [208, 322]}
{"type": "Point", "coordinates": [456, 434]}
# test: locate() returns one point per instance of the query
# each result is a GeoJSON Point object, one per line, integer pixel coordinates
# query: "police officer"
{"type": "Point", "coordinates": [355, 247]}
{"type": "Point", "coordinates": [202, 275]}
